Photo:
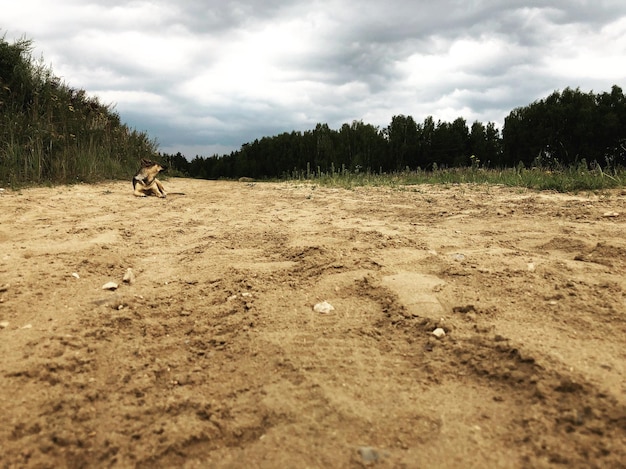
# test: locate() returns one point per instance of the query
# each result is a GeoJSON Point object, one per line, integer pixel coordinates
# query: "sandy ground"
{"type": "Point", "coordinates": [214, 356]}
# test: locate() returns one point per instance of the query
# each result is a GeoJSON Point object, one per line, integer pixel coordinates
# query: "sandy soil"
{"type": "Point", "coordinates": [215, 357]}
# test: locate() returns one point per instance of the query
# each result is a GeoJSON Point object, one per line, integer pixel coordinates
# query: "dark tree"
{"type": "Point", "coordinates": [403, 140]}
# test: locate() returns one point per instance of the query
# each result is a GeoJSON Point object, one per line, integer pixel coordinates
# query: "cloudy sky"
{"type": "Point", "coordinates": [205, 76]}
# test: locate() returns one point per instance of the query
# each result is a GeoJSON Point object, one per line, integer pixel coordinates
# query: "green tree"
{"type": "Point", "coordinates": [403, 138]}
{"type": "Point", "coordinates": [566, 128]}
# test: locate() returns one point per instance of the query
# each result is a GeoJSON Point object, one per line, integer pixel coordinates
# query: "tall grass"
{"type": "Point", "coordinates": [53, 133]}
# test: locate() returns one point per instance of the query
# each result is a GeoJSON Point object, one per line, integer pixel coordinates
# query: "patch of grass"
{"type": "Point", "coordinates": [562, 180]}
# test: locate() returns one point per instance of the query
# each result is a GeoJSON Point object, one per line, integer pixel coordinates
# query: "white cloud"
{"type": "Point", "coordinates": [589, 53]}
{"type": "Point", "coordinates": [212, 74]}
{"type": "Point", "coordinates": [149, 102]}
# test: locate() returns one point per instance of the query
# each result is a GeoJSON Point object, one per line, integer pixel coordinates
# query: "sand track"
{"type": "Point", "coordinates": [214, 356]}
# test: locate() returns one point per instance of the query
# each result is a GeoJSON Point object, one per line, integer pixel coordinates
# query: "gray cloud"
{"type": "Point", "coordinates": [205, 77]}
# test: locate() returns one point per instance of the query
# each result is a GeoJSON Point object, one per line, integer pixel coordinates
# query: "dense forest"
{"type": "Point", "coordinates": [51, 132]}
{"type": "Point", "coordinates": [567, 128]}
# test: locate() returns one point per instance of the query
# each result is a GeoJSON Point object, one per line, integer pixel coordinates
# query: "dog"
{"type": "Point", "coordinates": [145, 182]}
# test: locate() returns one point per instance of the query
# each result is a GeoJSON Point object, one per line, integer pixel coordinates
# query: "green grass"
{"type": "Point", "coordinates": [51, 133]}
{"type": "Point", "coordinates": [563, 180]}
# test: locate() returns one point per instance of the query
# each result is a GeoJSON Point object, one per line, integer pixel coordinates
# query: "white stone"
{"type": "Point", "coordinates": [439, 333]}
{"type": "Point", "coordinates": [110, 286]}
{"type": "Point", "coordinates": [75, 275]}
{"type": "Point", "coordinates": [324, 307]}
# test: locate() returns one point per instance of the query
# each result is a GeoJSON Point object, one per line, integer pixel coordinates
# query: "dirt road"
{"type": "Point", "coordinates": [214, 356]}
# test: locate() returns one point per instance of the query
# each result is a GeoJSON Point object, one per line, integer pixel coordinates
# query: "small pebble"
{"type": "Point", "coordinates": [439, 333]}
{"type": "Point", "coordinates": [129, 276]}
{"type": "Point", "coordinates": [110, 286]}
{"type": "Point", "coordinates": [75, 275]}
{"type": "Point", "coordinates": [324, 307]}
{"type": "Point", "coordinates": [368, 454]}
{"type": "Point", "coordinates": [4, 324]}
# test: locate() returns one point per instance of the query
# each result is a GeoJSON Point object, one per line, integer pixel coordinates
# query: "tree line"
{"type": "Point", "coordinates": [51, 132]}
{"type": "Point", "coordinates": [567, 128]}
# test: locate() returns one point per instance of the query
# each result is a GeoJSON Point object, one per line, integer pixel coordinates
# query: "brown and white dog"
{"type": "Point", "coordinates": [145, 181]}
